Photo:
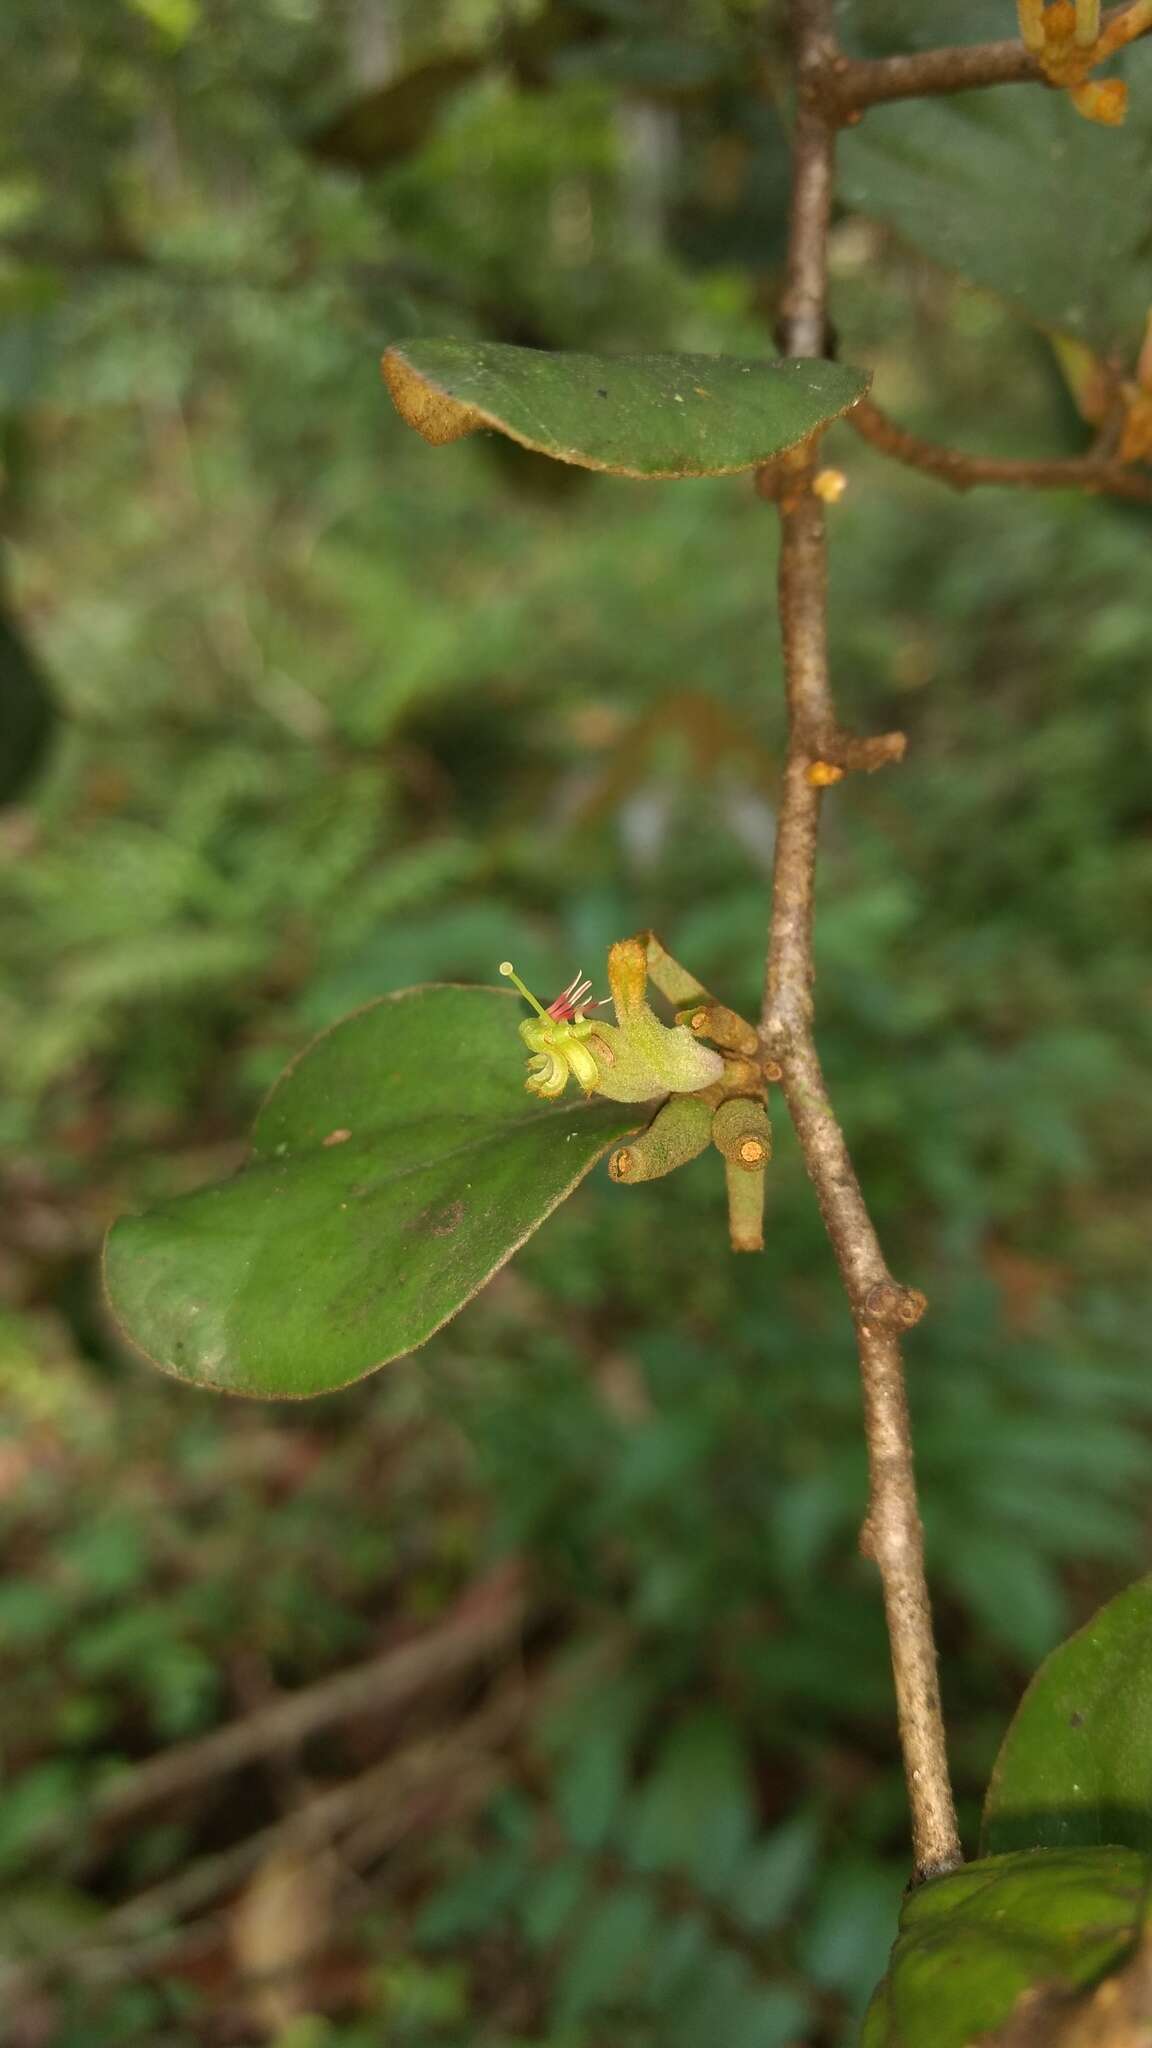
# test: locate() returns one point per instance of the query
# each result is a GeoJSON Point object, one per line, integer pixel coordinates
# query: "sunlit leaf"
{"type": "Point", "coordinates": [175, 19]}
{"type": "Point", "coordinates": [972, 1943]}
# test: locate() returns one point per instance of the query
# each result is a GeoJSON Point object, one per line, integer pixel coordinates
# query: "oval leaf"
{"type": "Point", "coordinates": [1016, 191]}
{"type": "Point", "coordinates": [971, 1944]}
{"type": "Point", "coordinates": [641, 416]}
{"type": "Point", "coordinates": [1076, 1764]}
{"type": "Point", "coordinates": [395, 1167]}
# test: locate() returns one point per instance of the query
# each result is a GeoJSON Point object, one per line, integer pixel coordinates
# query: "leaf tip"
{"type": "Point", "coordinates": [422, 405]}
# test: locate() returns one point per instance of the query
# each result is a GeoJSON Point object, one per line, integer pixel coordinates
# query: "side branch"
{"type": "Point", "coordinates": [881, 1308]}
{"type": "Point", "coordinates": [478, 1633]}
{"type": "Point", "coordinates": [963, 472]}
{"type": "Point", "coordinates": [858, 83]}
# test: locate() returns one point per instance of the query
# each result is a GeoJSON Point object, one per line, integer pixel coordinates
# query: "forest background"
{"type": "Point", "coordinates": [330, 717]}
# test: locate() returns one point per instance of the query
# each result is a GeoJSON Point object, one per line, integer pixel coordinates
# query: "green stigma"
{"type": "Point", "coordinates": [507, 968]}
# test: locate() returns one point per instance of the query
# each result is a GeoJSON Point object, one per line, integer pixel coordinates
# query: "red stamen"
{"type": "Point", "coordinates": [571, 1001]}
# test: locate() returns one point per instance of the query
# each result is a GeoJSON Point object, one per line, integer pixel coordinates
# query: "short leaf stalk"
{"type": "Point", "coordinates": [881, 1308]}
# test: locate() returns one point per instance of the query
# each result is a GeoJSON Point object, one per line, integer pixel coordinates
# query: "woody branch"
{"type": "Point", "coordinates": [881, 1308]}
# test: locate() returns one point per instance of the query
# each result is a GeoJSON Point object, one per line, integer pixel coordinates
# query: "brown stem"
{"type": "Point", "coordinates": [857, 83]}
{"type": "Point", "coordinates": [368, 1814]}
{"type": "Point", "coordinates": [881, 1308]}
{"type": "Point", "coordinates": [476, 1633]}
{"type": "Point", "coordinates": [965, 472]}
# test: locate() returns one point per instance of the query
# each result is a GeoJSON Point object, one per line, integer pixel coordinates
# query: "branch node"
{"type": "Point", "coordinates": [789, 477]}
{"type": "Point", "coordinates": [893, 1307]}
{"type": "Point", "coordinates": [839, 754]}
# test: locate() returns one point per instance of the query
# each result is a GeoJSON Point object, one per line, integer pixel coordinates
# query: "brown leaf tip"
{"type": "Point", "coordinates": [423, 405]}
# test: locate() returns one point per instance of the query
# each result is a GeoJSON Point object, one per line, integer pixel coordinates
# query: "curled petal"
{"type": "Point", "coordinates": [582, 1062]}
{"type": "Point", "coordinates": [547, 1074]}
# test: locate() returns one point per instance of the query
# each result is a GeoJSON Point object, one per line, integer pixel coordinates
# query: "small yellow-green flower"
{"type": "Point", "coordinates": [557, 1038]}
{"type": "Point", "coordinates": [632, 1060]}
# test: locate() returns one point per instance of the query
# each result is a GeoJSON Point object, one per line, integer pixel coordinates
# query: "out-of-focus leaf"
{"type": "Point", "coordinates": [850, 1924]}
{"type": "Point", "coordinates": [658, 416]}
{"type": "Point", "coordinates": [608, 1952]}
{"type": "Point", "coordinates": [878, 28]}
{"type": "Point", "coordinates": [694, 1812]}
{"type": "Point", "coordinates": [769, 1880]}
{"type": "Point", "coordinates": [27, 710]}
{"type": "Point", "coordinates": [396, 1165]}
{"type": "Point", "coordinates": [1075, 1767]}
{"type": "Point", "coordinates": [972, 1943]}
{"type": "Point", "coordinates": [277, 1924]}
{"type": "Point", "coordinates": [1015, 1591]}
{"type": "Point", "coordinates": [549, 1903]}
{"type": "Point", "coordinates": [175, 19]}
{"type": "Point", "coordinates": [392, 121]}
{"type": "Point", "coordinates": [1018, 192]}
{"type": "Point", "coordinates": [29, 332]}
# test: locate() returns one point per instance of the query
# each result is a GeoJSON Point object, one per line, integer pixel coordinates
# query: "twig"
{"type": "Point", "coordinates": [485, 1629]}
{"type": "Point", "coordinates": [881, 1308]}
{"type": "Point", "coordinates": [373, 1812]}
{"type": "Point", "coordinates": [853, 84]}
{"type": "Point", "coordinates": [967, 472]}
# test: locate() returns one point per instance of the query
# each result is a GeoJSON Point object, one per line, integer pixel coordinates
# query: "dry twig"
{"type": "Point", "coordinates": [368, 1815]}
{"type": "Point", "coordinates": [481, 1632]}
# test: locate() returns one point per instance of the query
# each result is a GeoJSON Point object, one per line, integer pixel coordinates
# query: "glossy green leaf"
{"type": "Point", "coordinates": [1076, 1764]}
{"type": "Point", "coordinates": [395, 1166]}
{"type": "Point", "coordinates": [971, 1943]}
{"type": "Point", "coordinates": [640, 416]}
{"type": "Point", "coordinates": [1016, 191]}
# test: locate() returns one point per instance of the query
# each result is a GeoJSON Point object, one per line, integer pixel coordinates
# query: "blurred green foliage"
{"type": "Point", "coordinates": [340, 715]}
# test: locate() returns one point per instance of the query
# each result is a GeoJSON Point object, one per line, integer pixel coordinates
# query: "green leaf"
{"type": "Point", "coordinates": [881, 28]}
{"type": "Point", "coordinates": [1016, 191]}
{"type": "Point", "coordinates": [608, 1953]}
{"type": "Point", "coordinates": [694, 1811]}
{"type": "Point", "coordinates": [770, 1879]}
{"type": "Point", "coordinates": [971, 1943]}
{"type": "Point", "coordinates": [640, 416]}
{"type": "Point", "coordinates": [393, 120]}
{"type": "Point", "coordinates": [175, 19]}
{"type": "Point", "coordinates": [552, 1899]}
{"type": "Point", "coordinates": [27, 710]}
{"type": "Point", "coordinates": [1075, 1767]}
{"type": "Point", "coordinates": [395, 1167]}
